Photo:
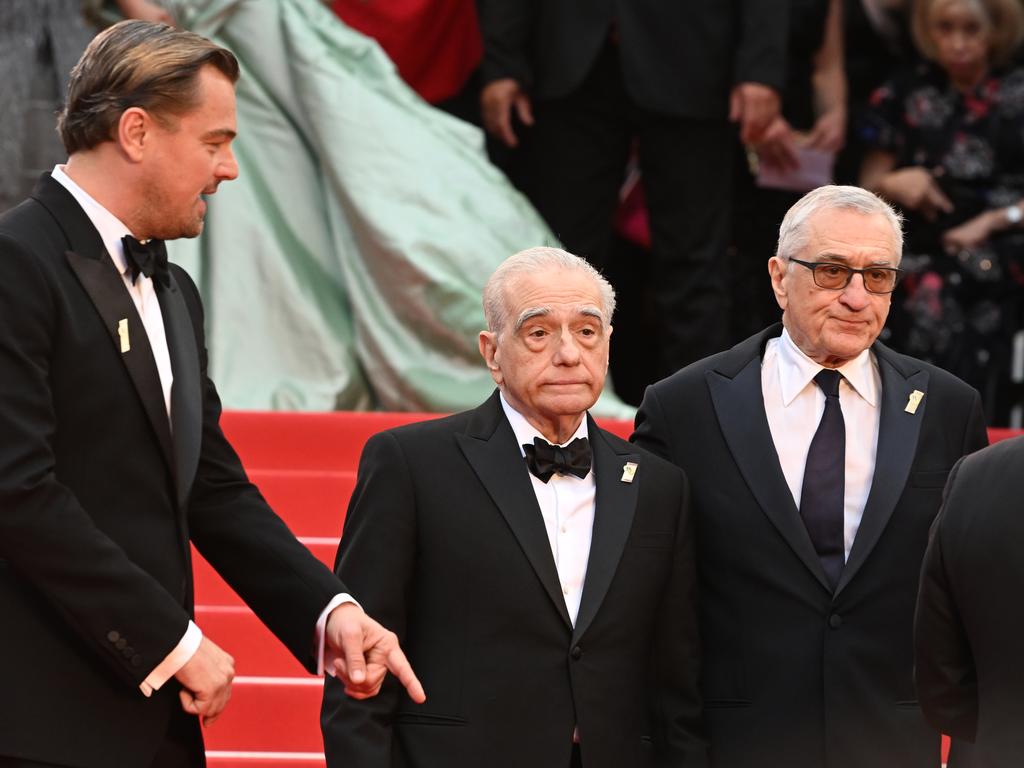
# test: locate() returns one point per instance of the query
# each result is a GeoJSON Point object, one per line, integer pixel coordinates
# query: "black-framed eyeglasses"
{"type": "Point", "coordinates": [835, 277]}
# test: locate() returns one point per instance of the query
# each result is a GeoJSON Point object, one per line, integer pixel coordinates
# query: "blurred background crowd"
{"type": "Point", "coordinates": [393, 152]}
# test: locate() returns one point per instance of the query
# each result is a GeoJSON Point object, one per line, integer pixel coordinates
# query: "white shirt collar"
{"type": "Point", "coordinates": [525, 431]}
{"type": "Point", "coordinates": [111, 228]}
{"type": "Point", "coordinates": [797, 370]}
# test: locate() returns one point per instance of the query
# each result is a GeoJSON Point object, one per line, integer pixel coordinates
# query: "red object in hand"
{"type": "Point", "coordinates": [435, 44]}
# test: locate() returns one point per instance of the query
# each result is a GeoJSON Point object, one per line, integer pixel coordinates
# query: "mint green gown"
{"type": "Point", "coordinates": [343, 268]}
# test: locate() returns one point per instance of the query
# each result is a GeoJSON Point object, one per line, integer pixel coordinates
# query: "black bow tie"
{"type": "Point", "coordinates": [544, 459]}
{"type": "Point", "coordinates": [149, 258]}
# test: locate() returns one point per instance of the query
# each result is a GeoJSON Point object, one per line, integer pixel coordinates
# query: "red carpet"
{"type": "Point", "coordinates": [305, 464]}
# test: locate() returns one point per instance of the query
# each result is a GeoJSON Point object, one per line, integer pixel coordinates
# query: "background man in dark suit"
{"type": "Point", "coordinates": [547, 603]}
{"type": "Point", "coordinates": [589, 78]}
{"type": "Point", "coordinates": [969, 670]}
{"type": "Point", "coordinates": [812, 494]}
{"type": "Point", "coordinates": [111, 457]}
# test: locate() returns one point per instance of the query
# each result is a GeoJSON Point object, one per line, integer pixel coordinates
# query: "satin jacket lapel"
{"type": "Point", "coordinates": [186, 392]}
{"type": "Point", "coordinates": [489, 445]}
{"type": "Point", "coordinates": [113, 302]}
{"type": "Point", "coordinates": [614, 509]}
{"type": "Point", "coordinates": [736, 392]}
{"type": "Point", "coordinates": [898, 432]}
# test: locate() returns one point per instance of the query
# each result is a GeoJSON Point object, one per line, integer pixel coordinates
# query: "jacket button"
{"type": "Point", "coordinates": [835, 621]}
{"type": "Point", "coordinates": [120, 644]}
{"type": "Point", "coordinates": [576, 653]}
{"type": "Point", "coordinates": [113, 636]}
{"type": "Point", "coordinates": [136, 661]}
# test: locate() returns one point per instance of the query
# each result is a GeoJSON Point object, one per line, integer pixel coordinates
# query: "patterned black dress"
{"type": "Point", "coordinates": [962, 310]}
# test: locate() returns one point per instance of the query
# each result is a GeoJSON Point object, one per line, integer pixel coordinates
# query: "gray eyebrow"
{"type": "Point", "coordinates": [532, 312]}
{"type": "Point", "coordinates": [529, 314]}
{"type": "Point", "coordinates": [835, 258]}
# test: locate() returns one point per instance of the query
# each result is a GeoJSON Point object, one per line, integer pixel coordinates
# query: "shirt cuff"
{"type": "Point", "coordinates": [174, 661]}
{"type": "Point", "coordinates": [325, 656]}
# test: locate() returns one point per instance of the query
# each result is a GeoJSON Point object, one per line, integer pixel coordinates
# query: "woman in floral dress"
{"type": "Point", "coordinates": [948, 149]}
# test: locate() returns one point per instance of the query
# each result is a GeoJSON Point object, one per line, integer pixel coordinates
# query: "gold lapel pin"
{"type": "Point", "coordinates": [628, 471]}
{"type": "Point", "coordinates": [913, 401]}
{"type": "Point", "coordinates": [122, 332]}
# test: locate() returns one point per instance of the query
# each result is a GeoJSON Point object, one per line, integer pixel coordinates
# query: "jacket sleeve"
{"type": "Point", "coordinates": [47, 538]}
{"type": "Point", "coordinates": [944, 670]}
{"type": "Point", "coordinates": [507, 27]}
{"type": "Point", "coordinates": [761, 48]}
{"type": "Point", "coordinates": [650, 428]}
{"type": "Point", "coordinates": [377, 558]}
{"type": "Point", "coordinates": [235, 529]}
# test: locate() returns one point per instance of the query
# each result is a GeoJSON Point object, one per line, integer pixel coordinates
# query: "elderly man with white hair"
{"type": "Point", "coordinates": [538, 570]}
{"type": "Point", "coordinates": [817, 458]}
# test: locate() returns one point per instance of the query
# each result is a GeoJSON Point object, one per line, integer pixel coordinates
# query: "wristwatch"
{"type": "Point", "coordinates": [1014, 215]}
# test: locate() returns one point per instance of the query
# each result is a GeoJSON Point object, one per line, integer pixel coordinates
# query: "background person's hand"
{"type": "Point", "coordinates": [972, 234]}
{"type": "Point", "coordinates": [497, 100]}
{"type": "Point", "coordinates": [144, 10]}
{"type": "Point", "coordinates": [778, 147]}
{"type": "Point", "coordinates": [915, 189]}
{"type": "Point", "coordinates": [754, 106]}
{"type": "Point", "coordinates": [366, 652]}
{"type": "Point", "coordinates": [206, 681]}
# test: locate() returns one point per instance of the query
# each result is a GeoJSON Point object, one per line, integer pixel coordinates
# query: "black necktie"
{"type": "Point", "coordinates": [823, 496]}
{"type": "Point", "coordinates": [149, 258]}
{"type": "Point", "coordinates": [544, 459]}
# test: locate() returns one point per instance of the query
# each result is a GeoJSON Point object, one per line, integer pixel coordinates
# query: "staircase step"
{"type": "Point", "coordinates": [210, 588]}
{"type": "Point", "coordinates": [238, 759]}
{"type": "Point", "coordinates": [311, 502]}
{"type": "Point", "coordinates": [255, 649]}
{"type": "Point", "coordinates": [269, 714]}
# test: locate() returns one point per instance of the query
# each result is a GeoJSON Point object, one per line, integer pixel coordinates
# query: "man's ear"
{"type": "Point", "coordinates": [777, 270]}
{"type": "Point", "coordinates": [488, 342]}
{"type": "Point", "coordinates": [132, 129]}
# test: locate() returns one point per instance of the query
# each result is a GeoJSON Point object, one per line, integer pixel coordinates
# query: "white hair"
{"type": "Point", "coordinates": [793, 235]}
{"type": "Point", "coordinates": [531, 261]}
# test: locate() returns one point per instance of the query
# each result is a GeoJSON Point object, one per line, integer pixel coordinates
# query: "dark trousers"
{"type": "Point", "coordinates": [574, 159]}
{"type": "Point", "coordinates": [182, 747]}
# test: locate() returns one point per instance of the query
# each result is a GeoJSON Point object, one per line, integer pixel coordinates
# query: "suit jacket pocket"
{"type": "Point", "coordinates": [929, 478]}
{"type": "Point", "coordinates": [908, 704]}
{"type": "Point", "coordinates": [652, 539]}
{"type": "Point", "coordinates": [726, 703]}
{"type": "Point", "coordinates": [425, 718]}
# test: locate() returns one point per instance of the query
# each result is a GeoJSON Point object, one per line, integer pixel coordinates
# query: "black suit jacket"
{"type": "Point", "coordinates": [100, 495]}
{"type": "Point", "coordinates": [970, 669]}
{"type": "Point", "coordinates": [445, 542]}
{"type": "Point", "coordinates": [794, 675]}
{"type": "Point", "coordinates": [680, 57]}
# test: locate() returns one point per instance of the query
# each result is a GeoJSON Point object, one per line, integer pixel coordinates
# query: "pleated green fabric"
{"type": "Point", "coordinates": [344, 268]}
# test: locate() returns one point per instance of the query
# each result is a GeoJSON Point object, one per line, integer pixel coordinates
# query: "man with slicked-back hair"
{"type": "Point", "coordinates": [111, 457]}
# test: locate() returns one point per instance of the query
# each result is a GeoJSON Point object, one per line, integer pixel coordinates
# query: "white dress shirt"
{"type": "Point", "coordinates": [143, 293]}
{"type": "Point", "coordinates": [567, 506]}
{"type": "Point", "coordinates": [794, 405]}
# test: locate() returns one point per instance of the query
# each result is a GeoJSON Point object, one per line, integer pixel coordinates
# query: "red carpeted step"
{"type": "Point", "coordinates": [270, 714]}
{"type": "Point", "coordinates": [331, 441]}
{"type": "Point", "coordinates": [311, 502]}
{"type": "Point", "coordinates": [237, 759]}
{"type": "Point", "coordinates": [211, 589]}
{"type": "Point", "coordinates": [255, 649]}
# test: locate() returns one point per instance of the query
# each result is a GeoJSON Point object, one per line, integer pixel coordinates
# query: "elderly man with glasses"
{"type": "Point", "coordinates": [817, 458]}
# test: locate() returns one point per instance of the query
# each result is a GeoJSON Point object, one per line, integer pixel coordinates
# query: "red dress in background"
{"type": "Point", "coordinates": [435, 44]}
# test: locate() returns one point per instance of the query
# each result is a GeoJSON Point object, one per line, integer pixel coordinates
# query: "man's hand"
{"type": "Point", "coordinates": [497, 100]}
{"type": "Point", "coordinates": [366, 651]}
{"type": "Point", "coordinates": [753, 106]}
{"type": "Point", "coordinates": [915, 189]}
{"type": "Point", "coordinates": [777, 148]}
{"type": "Point", "coordinates": [206, 681]}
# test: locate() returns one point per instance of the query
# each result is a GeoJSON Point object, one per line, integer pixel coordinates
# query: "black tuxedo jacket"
{"type": "Point", "coordinates": [970, 675]}
{"type": "Point", "coordinates": [445, 542]}
{"type": "Point", "coordinates": [678, 57]}
{"type": "Point", "coordinates": [794, 675]}
{"type": "Point", "coordinates": [100, 494]}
